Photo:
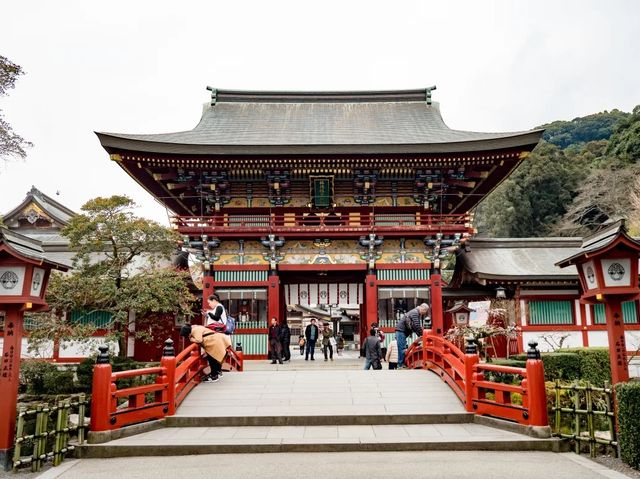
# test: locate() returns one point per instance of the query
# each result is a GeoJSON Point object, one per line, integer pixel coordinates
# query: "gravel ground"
{"type": "Point", "coordinates": [617, 465]}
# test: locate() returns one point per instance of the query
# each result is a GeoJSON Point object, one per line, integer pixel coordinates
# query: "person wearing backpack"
{"type": "Point", "coordinates": [217, 318]}
{"type": "Point", "coordinates": [410, 323]}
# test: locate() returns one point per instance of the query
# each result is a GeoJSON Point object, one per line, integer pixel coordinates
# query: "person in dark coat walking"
{"type": "Point", "coordinates": [410, 323]}
{"type": "Point", "coordinates": [372, 351]}
{"type": "Point", "coordinates": [275, 341]}
{"type": "Point", "coordinates": [311, 333]}
{"type": "Point", "coordinates": [286, 340]}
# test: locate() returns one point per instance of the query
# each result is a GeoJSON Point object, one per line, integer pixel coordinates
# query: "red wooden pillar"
{"type": "Point", "coordinates": [207, 289]}
{"type": "Point", "coordinates": [371, 298]}
{"type": "Point", "coordinates": [273, 298]}
{"type": "Point", "coordinates": [617, 343]}
{"type": "Point", "coordinates": [10, 378]}
{"type": "Point", "coordinates": [437, 319]}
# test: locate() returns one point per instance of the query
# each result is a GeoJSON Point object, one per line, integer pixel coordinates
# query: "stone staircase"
{"type": "Point", "coordinates": [319, 410]}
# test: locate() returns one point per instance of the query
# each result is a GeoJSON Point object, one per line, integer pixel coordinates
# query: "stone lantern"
{"type": "Point", "coordinates": [24, 273]}
{"type": "Point", "coordinates": [607, 264]}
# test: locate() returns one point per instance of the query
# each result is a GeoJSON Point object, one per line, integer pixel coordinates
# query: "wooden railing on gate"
{"type": "Point", "coordinates": [113, 408]}
{"type": "Point", "coordinates": [464, 373]}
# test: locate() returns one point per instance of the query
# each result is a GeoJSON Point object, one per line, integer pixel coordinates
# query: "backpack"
{"type": "Point", "coordinates": [231, 324]}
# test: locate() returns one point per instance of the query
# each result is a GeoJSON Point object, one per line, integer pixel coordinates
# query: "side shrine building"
{"type": "Point", "coordinates": [343, 205]}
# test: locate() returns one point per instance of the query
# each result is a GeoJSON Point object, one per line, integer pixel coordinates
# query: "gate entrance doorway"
{"type": "Point", "coordinates": [333, 297]}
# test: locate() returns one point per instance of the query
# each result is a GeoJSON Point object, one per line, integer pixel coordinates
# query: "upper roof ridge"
{"type": "Point", "coordinates": [357, 96]}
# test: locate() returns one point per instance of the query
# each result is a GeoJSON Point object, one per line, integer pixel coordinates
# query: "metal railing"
{"type": "Point", "coordinates": [524, 402]}
{"type": "Point", "coordinates": [52, 433]}
{"type": "Point", "coordinates": [584, 406]}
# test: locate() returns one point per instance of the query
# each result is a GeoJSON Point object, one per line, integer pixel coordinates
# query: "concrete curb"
{"type": "Point", "coordinates": [129, 450]}
{"type": "Point", "coordinates": [312, 420]}
{"type": "Point", "coordinates": [127, 431]}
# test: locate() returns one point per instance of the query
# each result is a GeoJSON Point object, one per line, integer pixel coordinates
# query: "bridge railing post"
{"type": "Point", "coordinates": [101, 392]}
{"type": "Point", "coordinates": [536, 387]}
{"type": "Point", "coordinates": [471, 358]}
{"type": "Point", "coordinates": [168, 361]}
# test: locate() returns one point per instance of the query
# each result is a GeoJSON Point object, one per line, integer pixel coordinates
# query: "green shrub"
{"type": "Point", "coordinates": [42, 377]}
{"type": "Point", "coordinates": [588, 364]}
{"type": "Point", "coordinates": [628, 399]}
{"type": "Point", "coordinates": [84, 373]}
{"type": "Point", "coordinates": [506, 378]}
{"type": "Point", "coordinates": [595, 365]}
{"type": "Point", "coordinates": [564, 366]}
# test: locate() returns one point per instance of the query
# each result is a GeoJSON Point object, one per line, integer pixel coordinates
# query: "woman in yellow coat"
{"type": "Point", "coordinates": [215, 345]}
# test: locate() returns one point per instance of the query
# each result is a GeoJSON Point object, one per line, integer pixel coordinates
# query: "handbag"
{"type": "Point", "coordinates": [376, 364]}
{"type": "Point", "coordinates": [332, 342]}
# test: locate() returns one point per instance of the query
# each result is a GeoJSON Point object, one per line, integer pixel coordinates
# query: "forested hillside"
{"type": "Point", "coordinates": [584, 173]}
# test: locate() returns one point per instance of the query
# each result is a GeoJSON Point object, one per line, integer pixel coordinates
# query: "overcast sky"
{"type": "Point", "coordinates": [142, 67]}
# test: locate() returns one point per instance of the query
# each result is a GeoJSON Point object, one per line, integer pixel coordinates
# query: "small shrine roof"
{"type": "Point", "coordinates": [519, 259]}
{"type": "Point", "coordinates": [248, 122]}
{"type": "Point", "coordinates": [51, 207]}
{"type": "Point", "coordinates": [29, 248]}
{"type": "Point", "coordinates": [601, 240]}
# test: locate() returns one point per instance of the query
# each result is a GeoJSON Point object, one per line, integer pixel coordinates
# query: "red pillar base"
{"type": "Point", "coordinates": [10, 380]}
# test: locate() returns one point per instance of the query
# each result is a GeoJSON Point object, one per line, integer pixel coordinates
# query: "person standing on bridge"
{"type": "Point", "coordinates": [327, 336]}
{"type": "Point", "coordinates": [286, 340]}
{"type": "Point", "coordinates": [372, 351]}
{"type": "Point", "coordinates": [275, 341]}
{"type": "Point", "coordinates": [311, 335]}
{"type": "Point", "coordinates": [410, 323]}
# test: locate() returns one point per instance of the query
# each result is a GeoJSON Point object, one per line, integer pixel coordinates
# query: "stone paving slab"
{"type": "Point", "coordinates": [354, 465]}
{"type": "Point", "coordinates": [364, 433]}
{"type": "Point", "coordinates": [325, 392]}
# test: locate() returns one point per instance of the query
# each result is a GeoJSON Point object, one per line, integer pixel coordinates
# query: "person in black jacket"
{"type": "Point", "coordinates": [275, 341]}
{"type": "Point", "coordinates": [286, 340]}
{"type": "Point", "coordinates": [311, 335]}
{"type": "Point", "coordinates": [372, 351]}
{"type": "Point", "coordinates": [410, 323]}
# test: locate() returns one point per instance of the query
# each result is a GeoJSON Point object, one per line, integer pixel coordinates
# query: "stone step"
{"type": "Point", "coordinates": [271, 439]}
{"type": "Point", "coordinates": [318, 420]}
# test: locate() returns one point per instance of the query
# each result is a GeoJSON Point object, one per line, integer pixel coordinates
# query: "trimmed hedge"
{"type": "Point", "coordinates": [588, 364]}
{"type": "Point", "coordinates": [628, 399]}
{"type": "Point", "coordinates": [41, 377]}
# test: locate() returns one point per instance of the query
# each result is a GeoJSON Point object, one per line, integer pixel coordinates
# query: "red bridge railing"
{"type": "Point", "coordinates": [464, 373]}
{"type": "Point", "coordinates": [113, 408]}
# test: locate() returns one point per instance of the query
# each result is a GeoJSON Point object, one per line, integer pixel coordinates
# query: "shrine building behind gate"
{"type": "Point", "coordinates": [335, 204]}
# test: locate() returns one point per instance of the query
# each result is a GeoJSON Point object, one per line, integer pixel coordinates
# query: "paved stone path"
{"type": "Point", "coordinates": [325, 392]}
{"type": "Point", "coordinates": [352, 465]}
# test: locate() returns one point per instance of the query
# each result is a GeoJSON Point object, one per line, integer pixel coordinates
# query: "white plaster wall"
{"type": "Point", "coordinates": [523, 312]}
{"type": "Point", "coordinates": [634, 368]}
{"type": "Point", "coordinates": [45, 352]}
{"type": "Point", "coordinates": [576, 307]}
{"type": "Point", "coordinates": [83, 349]}
{"type": "Point", "coordinates": [573, 341]}
{"type": "Point", "coordinates": [598, 339]}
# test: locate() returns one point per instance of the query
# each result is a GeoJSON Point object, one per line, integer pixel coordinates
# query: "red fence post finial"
{"type": "Point", "coordinates": [471, 358]}
{"type": "Point", "coordinates": [536, 387]}
{"type": "Point", "coordinates": [168, 362]}
{"type": "Point", "coordinates": [101, 392]}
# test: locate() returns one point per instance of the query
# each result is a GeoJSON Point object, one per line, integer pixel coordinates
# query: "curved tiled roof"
{"type": "Point", "coordinates": [320, 122]}
{"type": "Point", "coordinates": [520, 258]}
